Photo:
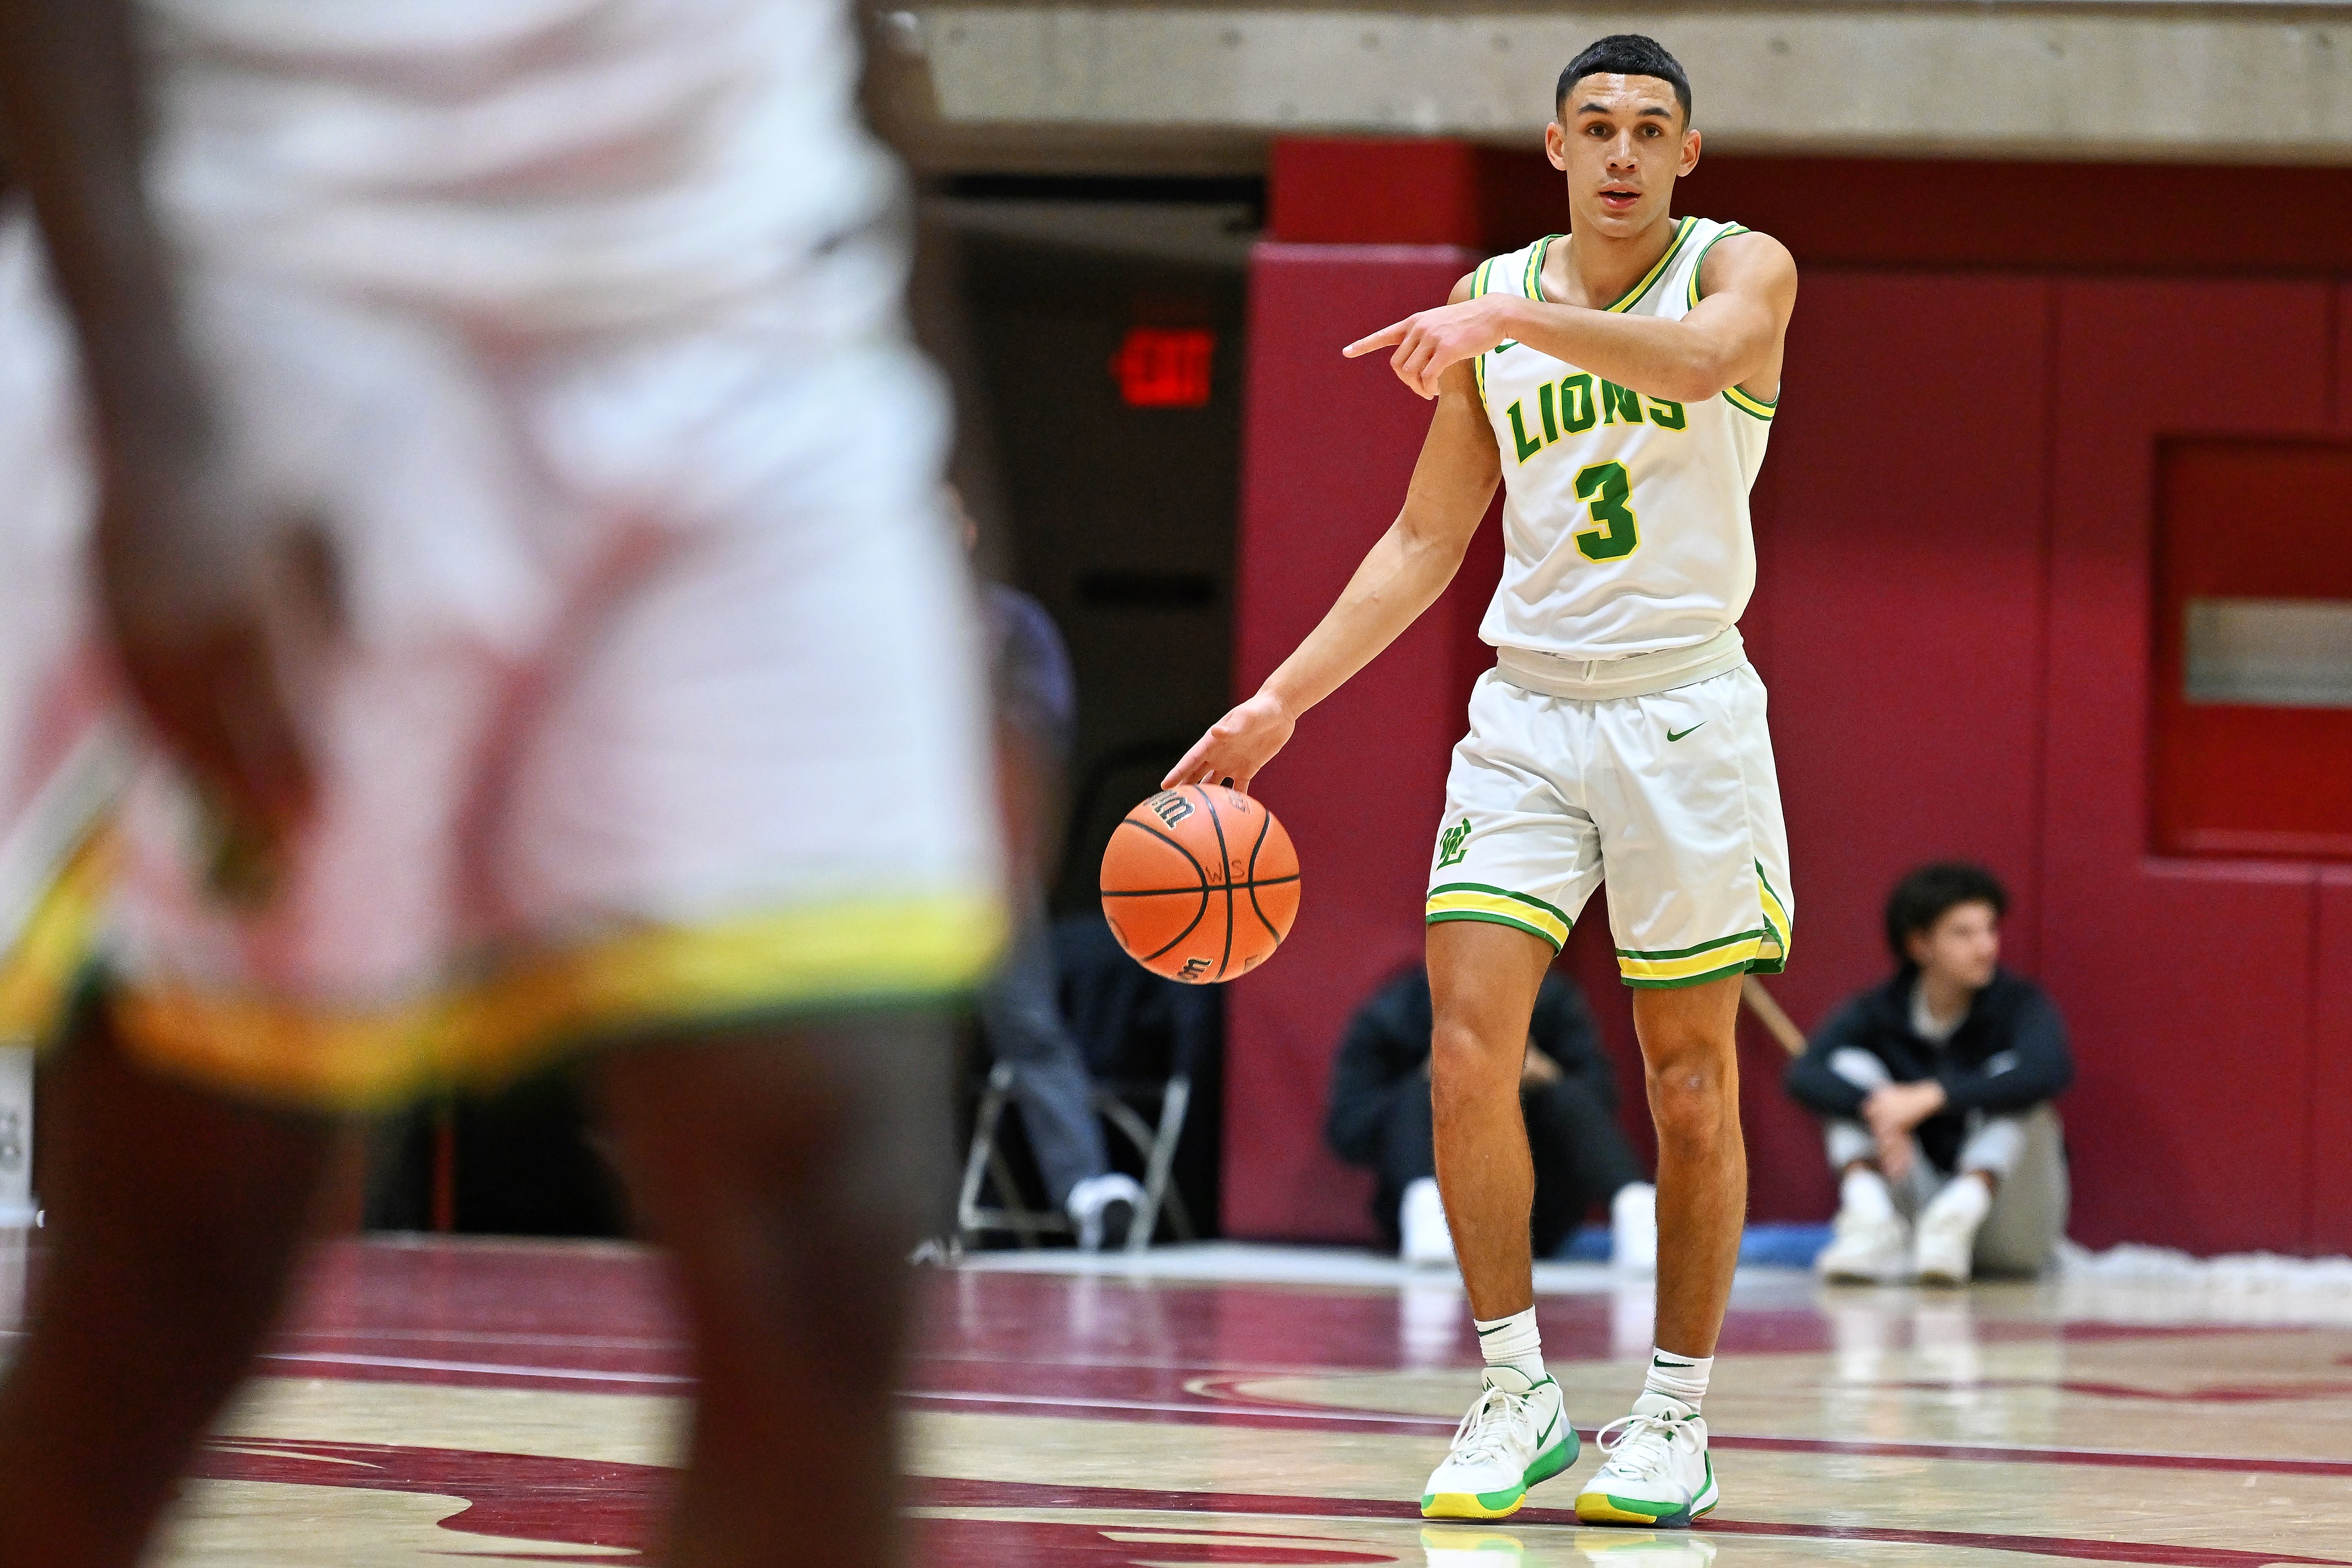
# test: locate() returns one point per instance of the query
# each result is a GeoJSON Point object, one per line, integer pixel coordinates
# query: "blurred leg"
{"type": "Point", "coordinates": [789, 1171]}
{"type": "Point", "coordinates": [175, 1218]}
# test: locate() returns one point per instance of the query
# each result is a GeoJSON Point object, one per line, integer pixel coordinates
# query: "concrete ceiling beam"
{"type": "Point", "coordinates": [1204, 86]}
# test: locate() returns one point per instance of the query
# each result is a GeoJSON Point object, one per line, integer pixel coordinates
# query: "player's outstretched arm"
{"type": "Point", "coordinates": [1403, 576]}
{"type": "Point", "coordinates": [1733, 335]}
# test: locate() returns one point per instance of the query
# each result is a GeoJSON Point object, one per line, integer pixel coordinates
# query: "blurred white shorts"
{"type": "Point", "coordinates": [658, 705]}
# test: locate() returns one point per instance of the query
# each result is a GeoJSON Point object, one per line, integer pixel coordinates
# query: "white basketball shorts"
{"type": "Point", "coordinates": [1670, 798]}
{"type": "Point", "coordinates": [658, 705]}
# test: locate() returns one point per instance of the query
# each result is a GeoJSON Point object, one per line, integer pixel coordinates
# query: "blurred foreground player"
{"type": "Point", "coordinates": [1620, 382]}
{"type": "Point", "coordinates": [519, 524]}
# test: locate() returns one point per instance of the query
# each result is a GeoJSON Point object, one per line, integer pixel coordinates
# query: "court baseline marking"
{"type": "Point", "coordinates": [1279, 1418]}
{"type": "Point", "coordinates": [936, 1493]}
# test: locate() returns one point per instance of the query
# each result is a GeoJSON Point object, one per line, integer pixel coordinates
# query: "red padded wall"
{"type": "Point", "coordinates": [2331, 1007]}
{"type": "Point", "coordinates": [2330, 1131]}
{"type": "Point", "coordinates": [1898, 625]}
{"type": "Point", "coordinates": [2190, 983]}
{"type": "Point", "coordinates": [1898, 606]}
{"type": "Point", "coordinates": [1328, 446]}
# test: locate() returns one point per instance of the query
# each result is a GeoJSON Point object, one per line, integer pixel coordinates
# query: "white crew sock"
{"type": "Point", "coordinates": [1864, 1192]}
{"type": "Point", "coordinates": [1678, 1377]}
{"type": "Point", "coordinates": [1513, 1342]}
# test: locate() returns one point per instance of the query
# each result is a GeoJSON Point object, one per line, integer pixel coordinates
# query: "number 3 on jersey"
{"type": "Point", "coordinates": [1604, 490]}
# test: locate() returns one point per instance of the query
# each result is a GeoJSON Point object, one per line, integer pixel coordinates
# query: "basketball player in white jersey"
{"type": "Point", "coordinates": [1619, 381]}
{"type": "Point", "coordinates": [518, 534]}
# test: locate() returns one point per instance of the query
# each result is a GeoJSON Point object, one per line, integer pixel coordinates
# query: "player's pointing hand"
{"type": "Point", "coordinates": [1236, 746]}
{"type": "Point", "coordinates": [1427, 341]}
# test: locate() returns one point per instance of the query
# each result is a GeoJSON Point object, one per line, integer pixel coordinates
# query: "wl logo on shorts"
{"type": "Point", "coordinates": [1450, 841]}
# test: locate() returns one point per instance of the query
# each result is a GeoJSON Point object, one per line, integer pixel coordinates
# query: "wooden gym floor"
{"type": "Point", "coordinates": [440, 1401]}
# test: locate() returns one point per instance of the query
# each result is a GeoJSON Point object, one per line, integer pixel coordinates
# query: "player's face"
{"type": "Point", "coordinates": [1622, 142]}
{"type": "Point", "coordinates": [1963, 946]}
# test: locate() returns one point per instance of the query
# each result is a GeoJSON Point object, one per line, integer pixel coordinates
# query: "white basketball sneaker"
{"type": "Point", "coordinates": [1946, 1245]}
{"type": "Point", "coordinates": [1421, 1220]}
{"type": "Point", "coordinates": [1515, 1436]}
{"type": "Point", "coordinates": [1657, 1473]}
{"type": "Point", "coordinates": [1866, 1248]}
{"type": "Point", "coordinates": [1103, 1208]}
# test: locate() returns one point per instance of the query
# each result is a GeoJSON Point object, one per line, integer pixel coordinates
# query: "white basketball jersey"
{"type": "Point", "coordinates": [544, 164]}
{"type": "Point", "coordinates": [1625, 517]}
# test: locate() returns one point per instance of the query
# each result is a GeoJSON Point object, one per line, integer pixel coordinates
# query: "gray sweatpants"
{"type": "Point", "coordinates": [2026, 1151]}
{"type": "Point", "coordinates": [1020, 1021]}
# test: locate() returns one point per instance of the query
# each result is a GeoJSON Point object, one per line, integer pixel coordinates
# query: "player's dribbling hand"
{"type": "Point", "coordinates": [1236, 746]}
{"type": "Point", "coordinates": [1427, 341]}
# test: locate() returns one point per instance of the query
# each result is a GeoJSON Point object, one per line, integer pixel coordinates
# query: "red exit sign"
{"type": "Point", "coordinates": [1164, 367]}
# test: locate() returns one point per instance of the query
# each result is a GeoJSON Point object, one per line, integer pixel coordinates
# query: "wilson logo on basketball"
{"type": "Point", "coordinates": [1199, 885]}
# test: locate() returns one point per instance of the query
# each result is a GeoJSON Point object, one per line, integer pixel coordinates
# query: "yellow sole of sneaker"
{"type": "Point", "coordinates": [1594, 1508]}
{"type": "Point", "coordinates": [1465, 1505]}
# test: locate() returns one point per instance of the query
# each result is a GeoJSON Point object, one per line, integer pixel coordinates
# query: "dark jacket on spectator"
{"type": "Point", "coordinates": [2008, 1054]}
{"type": "Point", "coordinates": [1388, 1043]}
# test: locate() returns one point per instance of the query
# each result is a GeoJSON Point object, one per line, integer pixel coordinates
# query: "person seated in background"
{"type": "Point", "coordinates": [1021, 1022]}
{"type": "Point", "coordinates": [1380, 1117]}
{"type": "Point", "coordinates": [1937, 1085]}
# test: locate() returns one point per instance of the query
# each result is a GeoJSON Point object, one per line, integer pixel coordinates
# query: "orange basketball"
{"type": "Point", "coordinates": [1200, 884]}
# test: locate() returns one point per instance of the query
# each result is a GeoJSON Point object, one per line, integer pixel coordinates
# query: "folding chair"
{"type": "Point", "coordinates": [1143, 1038]}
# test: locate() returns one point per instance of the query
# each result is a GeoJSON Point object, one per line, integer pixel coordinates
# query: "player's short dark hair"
{"type": "Point", "coordinates": [1928, 893]}
{"type": "Point", "coordinates": [1625, 55]}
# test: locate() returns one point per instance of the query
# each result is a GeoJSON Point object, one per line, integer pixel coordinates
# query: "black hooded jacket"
{"type": "Point", "coordinates": [1387, 1045]}
{"type": "Point", "coordinates": [2008, 1054]}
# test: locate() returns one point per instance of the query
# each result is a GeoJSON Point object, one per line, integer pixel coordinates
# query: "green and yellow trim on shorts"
{"type": "Point", "coordinates": [829, 959]}
{"type": "Point", "coordinates": [1674, 966]}
{"type": "Point", "coordinates": [1499, 906]}
{"type": "Point", "coordinates": [1763, 951]}
{"type": "Point", "coordinates": [42, 970]}
{"type": "Point", "coordinates": [1779, 931]}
